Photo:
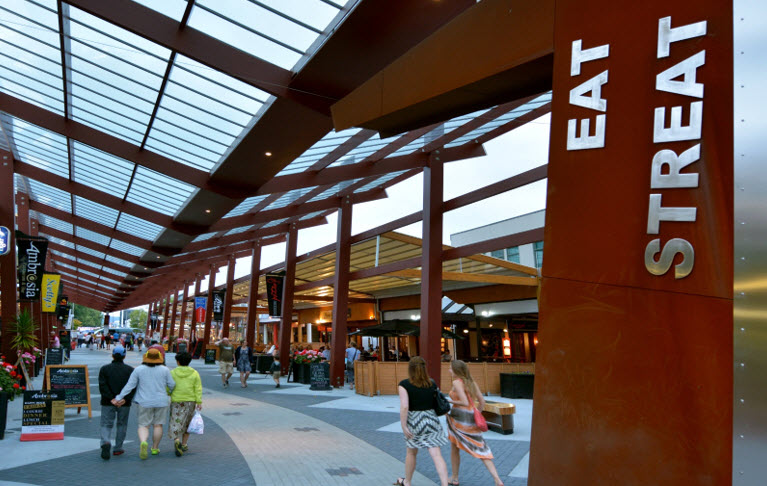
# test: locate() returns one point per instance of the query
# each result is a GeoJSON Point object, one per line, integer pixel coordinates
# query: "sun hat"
{"type": "Point", "coordinates": [153, 356]}
{"type": "Point", "coordinates": [119, 350]}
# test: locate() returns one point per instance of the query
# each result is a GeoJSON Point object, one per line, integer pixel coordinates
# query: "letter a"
{"type": "Point", "coordinates": [593, 85]}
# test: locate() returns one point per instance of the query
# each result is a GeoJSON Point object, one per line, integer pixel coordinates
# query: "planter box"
{"type": "Point", "coordinates": [3, 412]}
{"type": "Point", "coordinates": [301, 373]}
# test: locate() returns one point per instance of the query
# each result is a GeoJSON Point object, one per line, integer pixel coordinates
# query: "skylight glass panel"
{"type": "Point", "coordinates": [23, 52]}
{"type": "Point", "coordinates": [126, 248]}
{"type": "Point", "coordinates": [58, 241]}
{"type": "Point", "coordinates": [89, 235]}
{"type": "Point", "coordinates": [170, 8]}
{"type": "Point", "coordinates": [82, 261]}
{"type": "Point", "coordinates": [93, 167]}
{"type": "Point", "coordinates": [95, 211]}
{"type": "Point", "coordinates": [238, 230]}
{"type": "Point", "coordinates": [310, 215]}
{"type": "Point", "coordinates": [113, 271]}
{"type": "Point", "coordinates": [159, 192]}
{"type": "Point", "coordinates": [204, 237]}
{"type": "Point", "coordinates": [54, 223]}
{"type": "Point", "coordinates": [139, 227]}
{"type": "Point", "coordinates": [379, 182]}
{"type": "Point", "coordinates": [320, 149]}
{"type": "Point", "coordinates": [50, 196]}
{"type": "Point", "coordinates": [90, 251]}
{"type": "Point", "coordinates": [118, 261]}
{"type": "Point", "coordinates": [274, 223]}
{"type": "Point", "coordinates": [98, 46]}
{"type": "Point", "coordinates": [245, 206]}
{"type": "Point", "coordinates": [328, 192]}
{"type": "Point", "coordinates": [289, 197]}
{"type": "Point", "coordinates": [39, 147]}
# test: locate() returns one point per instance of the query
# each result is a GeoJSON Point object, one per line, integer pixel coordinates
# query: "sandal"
{"type": "Point", "coordinates": [400, 482]}
{"type": "Point", "coordinates": [453, 483]}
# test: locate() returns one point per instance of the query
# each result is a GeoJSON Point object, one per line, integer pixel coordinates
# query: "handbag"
{"type": "Point", "coordinates": [196, 426]}
{"type": "Point", "coordinates": [441, 405]}
{"type": "Point", "coordinates": [479, 419]}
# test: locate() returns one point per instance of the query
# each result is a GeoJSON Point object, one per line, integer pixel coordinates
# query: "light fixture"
{"type": "Point", "coordinates": [207, 211]}
{"type": "Point", "coordinates": [535, 341]}
{"type": "Point", "coordinates": [466, 331]}
{"type": "Point", "coordinates": [505, 330]}
{"type": "Point", "coordinates": [484, 313]}
{"type": "Point", "coordinates": [158, 257]}
{"type": "Point", "coordinates": [268, 154]}
{"type": "Point", "coordinates": [491, 324]}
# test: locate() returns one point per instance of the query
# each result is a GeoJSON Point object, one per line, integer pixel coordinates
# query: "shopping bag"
{"type": "Point", "coordinates": [196, 426]}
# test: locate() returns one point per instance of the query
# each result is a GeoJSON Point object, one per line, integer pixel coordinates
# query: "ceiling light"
{"type": "Point", "coordinates": [491, 325]}
{"type": "Point", "coordinates": [268, 154]}
{"type": "Point", "coordinates": [466, 331]}
{"type": "Point", "coordinates": [207, 211]}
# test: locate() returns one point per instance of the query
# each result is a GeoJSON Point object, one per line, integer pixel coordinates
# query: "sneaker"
{"type": "Point", "coordinates": [105, 451]}
{"type": "Point", "coordinates": [227, 382]}
{"type": "Point", "coordinates": [155, 452]}
{"type": "Point", "coordinates": [177, 447]}
{"type": "Point", "coordinates": [143, 450]}
{"type": "Point", "coordinates": [184, 447]}
{"type": "Point", "coordinates": [278, 385]}
{"type": "Point", "coordinates": [118, 453]}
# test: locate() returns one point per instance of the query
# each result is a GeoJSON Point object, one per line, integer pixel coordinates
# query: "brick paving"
{"type": "Point", "coordinates": [252, 436]}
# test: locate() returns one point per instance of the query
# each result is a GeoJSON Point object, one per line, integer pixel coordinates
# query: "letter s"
{"type": "Point", "coordinates": [674, 246]}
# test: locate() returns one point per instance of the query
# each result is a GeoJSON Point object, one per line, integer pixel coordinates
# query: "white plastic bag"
{"type": "Point", "coordinates": [196, 426]}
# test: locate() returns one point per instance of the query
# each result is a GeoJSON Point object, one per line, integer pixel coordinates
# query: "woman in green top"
{"type": "Point", "coordinates": [186, 397]}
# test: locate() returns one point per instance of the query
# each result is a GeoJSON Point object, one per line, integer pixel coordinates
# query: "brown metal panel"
{"type": "Point", "coordinates": [431, 264]}
{"type": "Point", "coordinates": [8, 292]}
{"type": "Point", "coordinates": [504, 50]}
{"type": "Point", "coordinates": [182, 320]}
{"type": "Point", "coordinates": [209, 304]}
{"type": "Point", "coordinates": [341, 293]}
{"type": "Point", "coordinates": [173, 314]}
{"type": "Point", "coordinates": [634, 373]}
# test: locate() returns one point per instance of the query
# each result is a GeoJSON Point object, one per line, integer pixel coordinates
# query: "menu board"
{"type": "Point", "coordinates": [43, 416]}
{"type": "Point", "coordinates": [210, 356]}
{"type": "Point", "coordinates": [319, 376]}
{"type": "Point", "coordinates": [72, 380]}
{"type": "Point", "coordinates": [54, 356]}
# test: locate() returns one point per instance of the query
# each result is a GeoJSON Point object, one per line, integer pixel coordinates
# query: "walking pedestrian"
{"type": "Point", "coordinates": [461, 428]}
{"type": "Point", "coordinates": [419, 421]}
{"type": "Point", "coordinates": [352, 355]}
{"type": "Point", "coordinates": [243, 356]}
{"type": "Point", "coordinates": [150, 381]}
{"type": "Point", "coordinates": [275, 369]}
{"type": "Point", "coordinates": [112, 378]}
{"type": "Point", "coordinates": [225, 361]}
{"type": "Point", "coordinates": [185, 399]}
{"type": "Point", "coordinates": [108, 339]}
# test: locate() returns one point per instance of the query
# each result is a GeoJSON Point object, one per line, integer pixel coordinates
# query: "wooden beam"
{"type": "Point", "coordinates": [472, 277]}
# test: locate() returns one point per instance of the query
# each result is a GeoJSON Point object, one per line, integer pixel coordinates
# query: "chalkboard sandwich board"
{"type": "Point", "coordinates": [319, 376]}
{"type": "Point", "coordinates": [72, 381]}
{"type": "Point", "coordinates": [210, 356]}
{"type": "Point", "coordinates": [43, 417]}
{"type": "Point", "coordinates": [54, 356]}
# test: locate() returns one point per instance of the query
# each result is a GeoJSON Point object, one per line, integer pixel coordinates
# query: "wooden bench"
{"type": "Point", "coordinates": [500, 417]}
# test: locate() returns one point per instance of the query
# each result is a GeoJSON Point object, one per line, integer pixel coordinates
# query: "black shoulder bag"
{"type": "Point", "coordinates": [441, 405]}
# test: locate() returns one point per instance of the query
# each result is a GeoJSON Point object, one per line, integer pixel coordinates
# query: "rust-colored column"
{"type": "Point", "coordinates": [209, 304]}
{"type": "Point", "coordinates": [197, 285]}
{"type": "Point", "coordinates": [341, 292]}
{"type": "Point", "coordinates": [174, 312]}
{"type": "Point", "coordinates": [431, 267]}
{"type": "Point", "coordinates": [182, 320]}
{"type": "Point", "coordinates": [165, 316]}
{"type": "Point", "coordinates": [149, 321]}
{"type": "Point", "coordinates": [22, 224]}
{"type": "Point", "coordinates": [255, 274]}
{"type": "Point", "coordinates": [8, 289]}
{"type": "Point", "coordinates": [286, 323]}
{"type": "Point", "coordinates": [634, 366]}
{"type": "Point", "coordinates": [228, 297]}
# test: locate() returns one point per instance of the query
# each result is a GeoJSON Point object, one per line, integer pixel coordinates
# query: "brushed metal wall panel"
{"type": "Point", "coordinates": [750, 238]}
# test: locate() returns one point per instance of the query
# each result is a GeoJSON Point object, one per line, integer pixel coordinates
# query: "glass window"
{"type": "Point", "coordinates": [512, 254]}
{"type": "Point", "coordinates": [538, 249]}
{"type": "Point", "coordinates": [497, 254]}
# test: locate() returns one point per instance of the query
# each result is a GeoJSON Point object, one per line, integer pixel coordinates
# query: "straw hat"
{"type": "Point", "coordinates": [153, 356]}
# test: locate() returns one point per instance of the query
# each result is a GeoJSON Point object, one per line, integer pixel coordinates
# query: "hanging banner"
{"type": "Point", "coordinates": [200, 303]}
{"type": "Point", "coordinates": [218, 305]}
{"type": "Point", "coordinates": [5, 240]}
{"type": "Point", "coordinates": [31, 254]}
{"type": "Point", "coordinates": [154, 319]}
{"type": "Point", "coordinates": [50, 291]}
{"type": "Point", "coordinates": [274, 293]}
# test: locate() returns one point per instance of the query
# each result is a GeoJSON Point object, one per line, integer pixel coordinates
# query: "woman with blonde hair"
{"type": "Point", "coordinates": [419, 421]}
{"type": "Point", "coordinates": [461, 428]}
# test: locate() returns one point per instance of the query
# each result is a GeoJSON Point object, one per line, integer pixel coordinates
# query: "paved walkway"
{"type": "Point", "coordinates": [256, 435]}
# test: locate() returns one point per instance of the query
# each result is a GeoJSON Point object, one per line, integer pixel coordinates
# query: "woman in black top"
{"type": "Point", "coordinates": [419, 421]}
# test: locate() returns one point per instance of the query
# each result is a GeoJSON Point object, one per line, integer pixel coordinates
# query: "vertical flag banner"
{"type": "Point", "coordinates": [31, 254]}
{"type": "Point", "coordinates": [218, 305]}
{"type": "Point", "coordinates": [200, 303]}
{"type": "Point", "coordinates": [50, 291]}
{"type": "Point", "coordinates": [274, 293]}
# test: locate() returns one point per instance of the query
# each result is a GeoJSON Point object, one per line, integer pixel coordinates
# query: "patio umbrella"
{"type": "Point", "coordinates": [445, 333]}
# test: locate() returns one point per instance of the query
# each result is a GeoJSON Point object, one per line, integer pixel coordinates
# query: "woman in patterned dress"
{"type": "Point", "coordinates": [243, 355]}
{"type": "Point", "coordinates": [419, 421]}
{"type": "Point", "coordinates": [461, 428]}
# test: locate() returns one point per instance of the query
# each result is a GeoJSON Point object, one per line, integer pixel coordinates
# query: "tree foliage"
{"type": "Point", "coordinates": [89, 317]}
{"type": "Point", "coordinates": [138, 318]}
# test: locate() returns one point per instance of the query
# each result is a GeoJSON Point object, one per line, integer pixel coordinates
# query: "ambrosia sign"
{"type": "Point", "coordinates": [31, 252]}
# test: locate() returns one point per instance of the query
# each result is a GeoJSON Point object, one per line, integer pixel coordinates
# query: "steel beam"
{"type": "Point", "coordinates": [251, 321]}
{"type": "Point", "coordinates": [182, 320]}
{"type": "Point", "coordinates": [209, 305]}
{"type": "Point", "coordinates": [431, 274]}
{"type": "Point", "coordinates": [174, 313]}
{"type": "Point", "coordinates": [228, 297]}
{"type": "Point", "coordinates": [341, 293]}
{"type": "Point", "coordinates": [8, 288]}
